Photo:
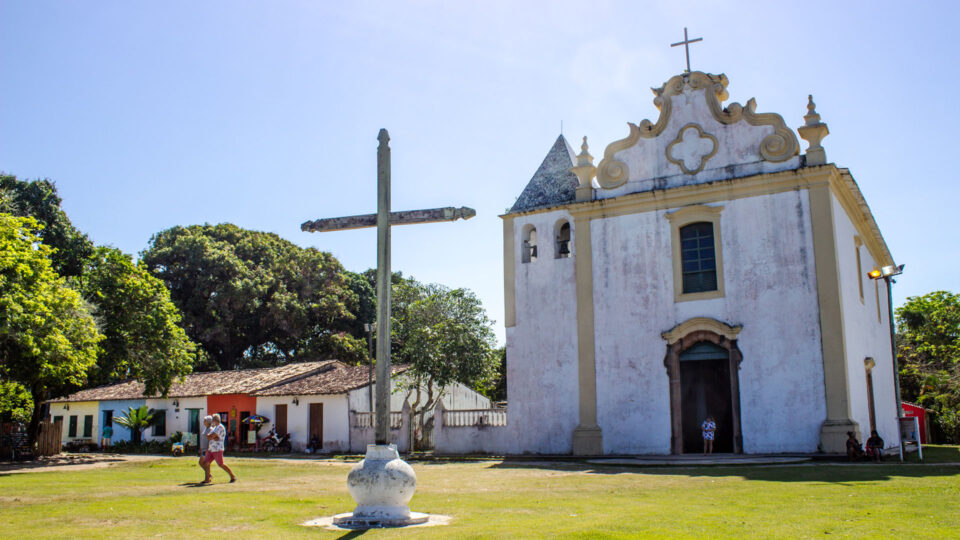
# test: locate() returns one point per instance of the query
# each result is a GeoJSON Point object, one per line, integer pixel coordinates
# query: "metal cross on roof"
{"type": "Point", "coordinates": [686, 45]}
{"type": "Point", "coordinates": [383, 220]}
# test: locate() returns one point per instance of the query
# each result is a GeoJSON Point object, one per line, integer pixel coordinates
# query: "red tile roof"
{"type": "Point", "coordinates": [243, 381]}
{"type": "Point", "coordinates": [338, 378]}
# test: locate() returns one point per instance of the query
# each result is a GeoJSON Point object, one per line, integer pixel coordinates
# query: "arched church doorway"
{"type": "Point", "coordinates": [705, 392]}
{"type": "Point", "coordinates": [703, 363]}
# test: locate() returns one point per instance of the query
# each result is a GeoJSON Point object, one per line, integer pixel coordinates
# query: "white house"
{"type": "Point", "coordinates": [703, 268]}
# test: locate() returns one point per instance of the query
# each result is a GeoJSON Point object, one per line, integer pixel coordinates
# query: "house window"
{"type": "Point", "coordinates": [876, 292]}
{"type": "Point", "coordinates": [160, 423]}
{"type": "Point", "coordinates": [857, 244]}
{"type": "Point", "coordinates": [563, 240]}
{"type": "Point", "coordinates": [871, 407]}
{"type": "Point", "coordinates": [72, 428]}
{"type": "Point", "coordinates": [697, 254]}
{"type": "Point", "coordinates": [108, 418]}
{"type": "Point", "coordinates": [88, 426]}
{"type": "Point", "coordinates": [529, 244]}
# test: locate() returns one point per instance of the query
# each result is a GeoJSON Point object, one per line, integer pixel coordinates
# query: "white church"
{"type": "Point", "coordinates": [704, 267]}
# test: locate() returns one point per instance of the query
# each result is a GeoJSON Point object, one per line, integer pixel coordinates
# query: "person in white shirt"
{"type": "Point", "coordinates": [203, 443]}
{"type": "Point", "coordinates": [216, 436]}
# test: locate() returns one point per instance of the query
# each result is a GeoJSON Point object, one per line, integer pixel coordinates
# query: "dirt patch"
{"type": "Point", "coordinates": [72, 462]}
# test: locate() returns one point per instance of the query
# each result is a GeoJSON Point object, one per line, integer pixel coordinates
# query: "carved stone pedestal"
{"type": "Point", "coordinates": [382, 485]}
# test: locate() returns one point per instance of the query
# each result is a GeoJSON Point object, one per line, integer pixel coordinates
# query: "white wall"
{"type": "Point", "coordinates": [78, 409]}
{"type": "Point", "coordinates": [455, 396]}
{"type": "Point", "coordinates": [176, 420]}
{"type": "Point", "coordinates": [865, 335]}
{"type": "Point", "coordinates": [336, 429]}
{"type": "Point", "coordinates": [770, 290]}
{"type": "Point", "coordinates": [542, 348]}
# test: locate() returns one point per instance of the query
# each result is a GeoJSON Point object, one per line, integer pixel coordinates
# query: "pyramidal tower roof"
{"type": "Point", "coordinates": [553, 183]}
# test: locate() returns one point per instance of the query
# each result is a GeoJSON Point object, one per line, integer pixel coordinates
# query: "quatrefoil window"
{"type": "Point", "coordinates": [692, 148]}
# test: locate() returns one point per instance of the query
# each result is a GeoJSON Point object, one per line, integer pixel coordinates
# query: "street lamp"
{"type": "Point", "coordinates": [887, 273]}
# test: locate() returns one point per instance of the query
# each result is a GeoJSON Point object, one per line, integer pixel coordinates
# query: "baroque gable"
{"type": "Point", "coordinates": [695, 140]}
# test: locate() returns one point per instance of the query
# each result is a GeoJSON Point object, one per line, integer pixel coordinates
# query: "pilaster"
{"type": "Point", "coordinates": [587, 437]}
{"type": "Point", "coordinates": [833, 346]}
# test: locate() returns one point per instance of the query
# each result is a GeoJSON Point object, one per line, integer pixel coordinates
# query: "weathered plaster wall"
{"type": "Point", "coordinates": [542, 347]}
{"type": "Point", "coordinates": [336, 431]}
{"type": "Point", "coordinates": [177, 420]}
{"type": "Point", "coordinates": [472, 440]}
{"type": "Point", "coordinates": [119, 408]}
{"type": "Point", "coordinates": [78, 409]}
{"type": "Point", "coordinates": [738, 151]}
{"type": "Point", "coordinates": [865, 335]}
{"type": "Point", "coordinates": [770, 291]}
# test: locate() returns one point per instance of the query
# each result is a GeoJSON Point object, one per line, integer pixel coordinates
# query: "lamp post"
{"type": "Point", "coordinates": [370, 328]}
{"type": "Point", "coordinates": [887, 273]}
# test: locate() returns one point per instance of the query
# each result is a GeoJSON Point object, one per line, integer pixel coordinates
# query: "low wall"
{"type": "Point", "coordinates": [473, 431]}
{"type": "Point", "coordinates": [362, 431]}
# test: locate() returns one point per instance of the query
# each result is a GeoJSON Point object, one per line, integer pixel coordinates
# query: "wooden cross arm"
{"type": "Point", "coordinates": [408, 217]}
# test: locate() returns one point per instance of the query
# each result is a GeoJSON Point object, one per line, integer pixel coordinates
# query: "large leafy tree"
{"type": "Point", "coordinates": [141, 325]}
{"type": "Point", "coordinates": [928, 343]}
{"type": "Point", "coordinates": [39, 199]}
{"type": "Point", "coordinates": [252, 298]}
{"type": "Point", "coordinates": [448, 339]}
{"type": "Point", "coordinates": [48, 339]}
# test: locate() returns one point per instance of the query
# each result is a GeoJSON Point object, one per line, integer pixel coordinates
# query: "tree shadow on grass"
{"type": "Point", "coordinates": [828, 473]}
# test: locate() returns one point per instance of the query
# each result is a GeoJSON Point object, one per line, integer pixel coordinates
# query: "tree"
{"type": "Point", "coordinates": [252, 298]}
{"type": "Point", "coordinates": [136, 420]}
{"type": "Point", "coordinates": [928, 351]}
{"type": "Point", "coordinates": [449, 340]}
{"type": "Point", "coordinates": [39, 199]}
{"type": "Point", "coordinates": [48, 339]}
{"type": "Point", "coordinates": [141, 325]}
{"type": "Point", "coordinates": [15, 402]}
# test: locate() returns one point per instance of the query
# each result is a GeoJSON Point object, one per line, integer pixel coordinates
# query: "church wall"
{"type": "Point", "coordinates": [864, 334]}
{"type": "Point", "coordinates": [770, 290]}
{"type": "Point", "coordinates": [542, 347]}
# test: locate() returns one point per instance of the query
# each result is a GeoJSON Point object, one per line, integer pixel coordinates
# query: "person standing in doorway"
{"type": "Point", "coordinates": [105, 437]}
{"type": "Point", "coordinates": [203, 443]}
{"type": "Point", "coordinates": [217, 438]}
{"type": "Point", "coordinates": [709, 429]}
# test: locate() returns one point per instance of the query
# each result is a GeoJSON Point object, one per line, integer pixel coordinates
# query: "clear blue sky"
{"type": "Point", "coordinates": [265, 114]}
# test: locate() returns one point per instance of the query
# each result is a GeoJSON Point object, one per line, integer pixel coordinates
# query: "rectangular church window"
{"type": "Point", "coordinates": [698, 258]}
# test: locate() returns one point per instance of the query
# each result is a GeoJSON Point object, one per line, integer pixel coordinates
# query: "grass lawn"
{"type": "Point", "coordinates": [493, 499]}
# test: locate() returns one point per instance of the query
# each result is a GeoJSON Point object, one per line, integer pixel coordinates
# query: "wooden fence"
{"type": "Point", "coordinates": [49, 438]}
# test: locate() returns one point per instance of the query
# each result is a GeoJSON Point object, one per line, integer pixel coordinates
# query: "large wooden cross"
{"type": "Point", "coordinates": [383, 219]}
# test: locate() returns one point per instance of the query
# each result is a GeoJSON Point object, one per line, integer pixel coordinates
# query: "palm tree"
{"type": "Point", "coordinates": [136, 420]}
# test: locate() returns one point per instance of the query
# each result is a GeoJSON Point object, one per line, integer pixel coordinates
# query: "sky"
{"type": "Point", "coordinates": [149, 115]}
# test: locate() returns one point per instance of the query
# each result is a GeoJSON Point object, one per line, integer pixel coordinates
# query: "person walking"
{"type": "Point", "coordinates": [709, 429]}
{"type": "Point", "coordinates": [217, 438]}
{"type": "Point", "coordinates": [203, 443]}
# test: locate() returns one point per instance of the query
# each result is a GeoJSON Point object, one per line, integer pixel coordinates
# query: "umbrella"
{"type": "Point", "coordinates": [256, 419]}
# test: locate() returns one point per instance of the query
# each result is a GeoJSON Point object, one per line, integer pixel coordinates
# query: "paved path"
{"type": "Point", "coordinates": [698, 461]}
{"type": "Point", "coordinates": [73, 462]}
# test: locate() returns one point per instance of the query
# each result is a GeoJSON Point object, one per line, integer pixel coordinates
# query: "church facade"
{"type": "Point", "coordinates": [705, 267]}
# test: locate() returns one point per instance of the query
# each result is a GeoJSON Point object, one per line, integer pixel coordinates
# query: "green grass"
{"type": "Point", "coordinates": [492, 500]}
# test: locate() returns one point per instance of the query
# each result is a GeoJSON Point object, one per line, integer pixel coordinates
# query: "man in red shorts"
{"type": "Point", "coordinates": [217, 436]}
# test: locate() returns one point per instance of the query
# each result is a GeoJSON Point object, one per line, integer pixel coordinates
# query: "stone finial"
{"type": "Point", "coordinates": [585, 171]}
{"type": "Point", "coordinates": [813, 131]}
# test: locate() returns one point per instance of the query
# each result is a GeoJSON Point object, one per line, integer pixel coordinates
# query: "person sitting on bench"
{"type": "Point", "coordinates": [875, 446]}
{"type": "Point", "coordinates": [854, 450]}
